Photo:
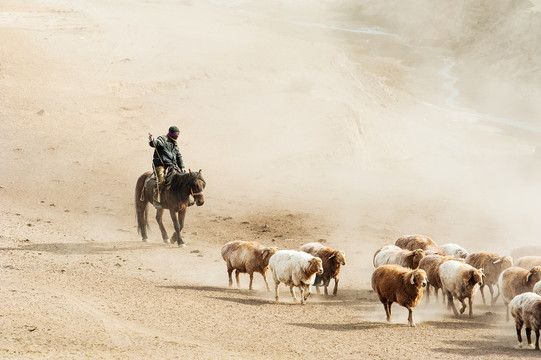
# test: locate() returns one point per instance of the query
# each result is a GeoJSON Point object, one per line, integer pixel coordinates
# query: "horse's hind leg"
{"type": "Point", "coordinates": [159, 218]}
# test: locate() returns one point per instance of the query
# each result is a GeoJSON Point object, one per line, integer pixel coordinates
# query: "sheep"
{"type": "Point", "coordinates": [247, 257]}
{"type": "Point", "coordinates": [537, 288]}
{"type": "Point", "coordinates": [431, 265]}
{"type": "Point", "coordinates": [454, 250]}
{"type": "Point", "coordinates": [395, 283]}
{"type": "Point", "coordinates": [514, 281]}
{"type": "Point", "coordinates": [414, 242]}
{"type": "Point", "coordinates": [526, 310]}
{"type": "Point", "coordinates": [492, 265]}
{"type": "Point", "coordinates": [527, 250]}
{"type": "Point", "coordinates": [332, 260]}
{"type": "Point", "coordinates": [460, 281]}
{"type": "Point", "coordinates": [528, 262]}
{"type": "Point", "coordinates": [295, 268]}
{"type": "Point", "coordinates": [391, 254]}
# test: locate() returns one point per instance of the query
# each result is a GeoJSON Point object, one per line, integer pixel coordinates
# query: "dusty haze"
{"type": "Point", "coordinates": [349, 123]}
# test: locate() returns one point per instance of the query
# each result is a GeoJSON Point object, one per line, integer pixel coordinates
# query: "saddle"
{"type": "Point", "coordinates": [150, 183]}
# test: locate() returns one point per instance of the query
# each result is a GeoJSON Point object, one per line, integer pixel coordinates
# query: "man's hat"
{"type": "Point", "coordinates": [173, 129]}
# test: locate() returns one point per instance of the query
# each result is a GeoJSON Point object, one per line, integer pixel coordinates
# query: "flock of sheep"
{"type": "Point", "coordinates": [403, 271]}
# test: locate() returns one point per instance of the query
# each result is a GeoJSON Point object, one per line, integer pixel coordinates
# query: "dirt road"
{"type": "Point", "coordinates": [305, 132]}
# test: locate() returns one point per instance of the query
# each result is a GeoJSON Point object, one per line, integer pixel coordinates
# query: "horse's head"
{"type": "Point", "coordinates": [197, 188]}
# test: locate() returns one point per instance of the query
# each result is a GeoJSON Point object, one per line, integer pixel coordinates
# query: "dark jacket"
{"type": "Point", "coordinates": [168, 152]}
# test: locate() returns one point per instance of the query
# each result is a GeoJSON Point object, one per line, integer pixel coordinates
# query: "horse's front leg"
{"type": "Point", "coordinates": [178, 221]}
{"type": "Point", "coordinates": [159, 218]}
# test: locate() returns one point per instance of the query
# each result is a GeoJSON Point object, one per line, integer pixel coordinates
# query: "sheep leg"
{"type": "Point", "coordinates": [251, 281]}
{"type": "Point", "coordinates": [317, 289]}
{"type": "Point", "coordinates": [303, 299]}
{"type": "Point", "coordinates": [481, 289]}
{"type": "Point", "coordinates": [463, 302]}
{"type": "Point", "coordinates": [308, 288]}
{"type": "Point", "coordinates": [428, 294]}
{"type": "Point", "coordinates": [237, 273]}
{"type": "Point", "coordinates": [492, 299]}
{"type": "Point", "coordinates": [387, 310]}
{"type": "Point", "coordinates": [292, 291]}
{"type": "Point", "coordinates": [519, 334]}
{"type": "Point", "coordinates": [470, 303]}
{"type": "Point", "coordinates": [497, 296]}
{"type": "Point", "coordinates": [410, 317]}
{"type": "Point", "coordinates": [451, 303]}
{"type": "Point", "coordinates": [229, 273]}
{"type": "Point", "coordinates": [537, 339]}
{"type": "Point", "coordinates": [326, 283]}
{"type": "Point", "coordinates": [335, 291]}
{"type": "Point", "coordinates": [506, 312]}
{"type": "Point", "coordinates": [529, 336]}
{"type": "Point", "coordinates": [265, 278]}
{"type": "Point", "coordinates": [276, 283]}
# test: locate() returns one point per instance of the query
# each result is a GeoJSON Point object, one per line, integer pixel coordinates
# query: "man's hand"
{"type": "Point", "coordinates": [150, 138]}
{"type": "Point", "coordinates": [183, 170]}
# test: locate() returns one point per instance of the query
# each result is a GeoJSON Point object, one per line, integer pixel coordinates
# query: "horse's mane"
{"type": "Point", "coordinates": [179, 184]}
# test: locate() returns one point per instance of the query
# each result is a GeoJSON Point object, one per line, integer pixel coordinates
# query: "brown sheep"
{"type": "Point", "coordinates": [392, 254]}
{"type": "Point", "coordinates": [247, 257]}
{"type": "Point", "coordinates": [492, 265]}
{"type": "Point", "coordinates": [395, 283]}
{"type": "Point", "coordinates": [413, 242]}
{"type": "Point", "coordinates": [515, 281]}
{"type": "Point", "coordinates": [526, 309]}
{"type": "Point", "coordinates": [431, 265]}
{"type": "Point", "coordinates": [332, 261]}
{"type": "Point", "coordinates": [460, 281]}
{"type": "Point", "coordinates": [528, 262]}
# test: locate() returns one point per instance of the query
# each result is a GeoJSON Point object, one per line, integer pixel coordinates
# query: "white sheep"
{"type": "Point", "coordinates": [295, 269]}
{"type": "Point", "coordinates": [392, 254]}
{"type": "Point", "coordinates": [515, 281]}
{"type": "Point", "coordinates": [454, 250]}
{"type": "Point", "coordinates": [247, 257]}
{"type": "Point", "coordinates": [526, 310]}
{"type": "Point", "coordinates": [460, 281]}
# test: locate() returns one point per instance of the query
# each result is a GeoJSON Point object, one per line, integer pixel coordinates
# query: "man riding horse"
{"type": "Point", "coordinates": [166, 155]}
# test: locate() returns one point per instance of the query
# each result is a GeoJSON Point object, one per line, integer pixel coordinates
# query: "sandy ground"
{"type": "Point", "coordinates": [312, 121]}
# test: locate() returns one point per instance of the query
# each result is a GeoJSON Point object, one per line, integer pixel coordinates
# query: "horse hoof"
{"type": "Point", "coordinates": [145, 240]}
{"type": "Point", "coordinates": [166, 241]}
{"type": "Point", "coordinates": [182, 245]}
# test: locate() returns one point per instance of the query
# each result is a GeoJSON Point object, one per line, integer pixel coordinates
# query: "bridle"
{"type": "Point", "coordinates": [197, 193]}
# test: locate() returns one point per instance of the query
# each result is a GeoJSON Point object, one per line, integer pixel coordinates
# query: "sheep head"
{"type": "Point", "coordinates": [418, 278]}
{"type": "Point", "coordinates": [534, 275]}
{"type": "Point", "coordinates": [339, 256]}
{"type": "Point", "coordinates": [505, 262]}
{"type": "Point", "coordinates": [474, 276]}
{"type": "Point", "coordinates": [315, 266]}
{"type": "Point", "coordinates": [268, 252]}
{"type": "Point", "coordinates": [417, 256]}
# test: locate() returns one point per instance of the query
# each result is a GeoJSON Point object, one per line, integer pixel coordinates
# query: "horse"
{"type": "Point", "coordinates": [175, 198]}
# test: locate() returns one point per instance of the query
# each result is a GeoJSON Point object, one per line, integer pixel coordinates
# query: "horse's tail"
{"type": "Point", "coordinates": [141, 205]}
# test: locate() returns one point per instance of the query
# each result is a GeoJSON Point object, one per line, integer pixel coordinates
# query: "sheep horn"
{"type": "Point", "coordinates": [412, 280]}
{"type": "Point", "coordinates": [497, 261]}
